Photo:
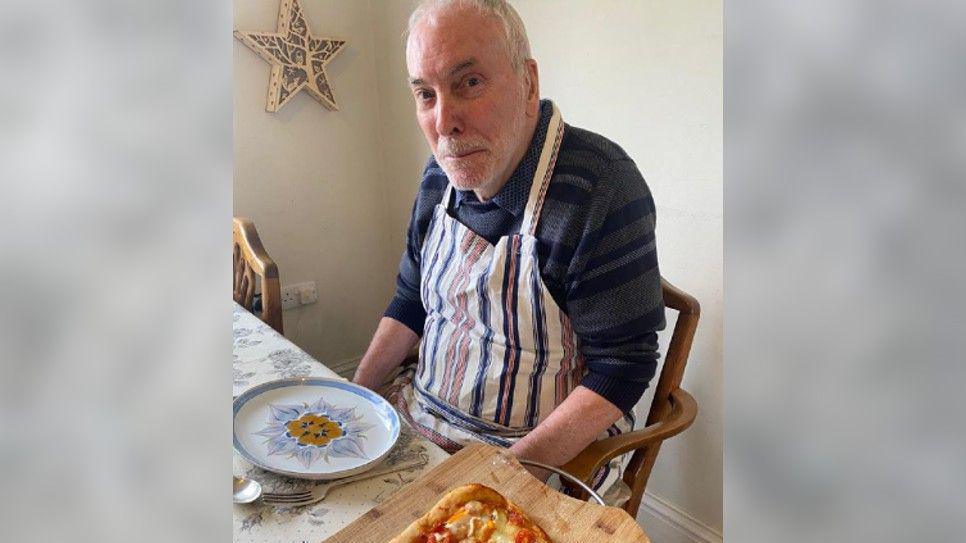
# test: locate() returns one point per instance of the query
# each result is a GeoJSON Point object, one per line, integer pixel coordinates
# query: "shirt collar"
{"type": "Point", "coordinates": [513, 196]}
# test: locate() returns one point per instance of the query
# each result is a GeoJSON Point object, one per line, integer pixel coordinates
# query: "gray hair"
{"type": "Point", "coordinates": [517, 44]}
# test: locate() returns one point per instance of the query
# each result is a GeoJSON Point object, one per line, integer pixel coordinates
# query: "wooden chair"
{"type": "Point", "coordinates": [672, 410]}
{"type": "Point", "coordinates": [250, 260]}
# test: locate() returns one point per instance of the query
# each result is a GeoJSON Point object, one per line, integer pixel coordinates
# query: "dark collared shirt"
{"type": "Point", "coordinates": [596, 248]}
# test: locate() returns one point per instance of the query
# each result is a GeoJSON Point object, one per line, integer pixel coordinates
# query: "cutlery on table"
{"type": "Point", "coordinates": [321, 490]}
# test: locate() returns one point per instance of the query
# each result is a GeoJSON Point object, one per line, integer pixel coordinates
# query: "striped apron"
{"type": "Point", "coordinates": [497, 353]}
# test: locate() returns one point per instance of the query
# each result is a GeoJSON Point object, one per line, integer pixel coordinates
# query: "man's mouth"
{"type": "Point", "coordinates": [465, 154]}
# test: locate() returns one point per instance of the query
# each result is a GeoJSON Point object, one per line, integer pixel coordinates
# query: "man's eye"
{"type": "Point", "coordinates": [424, 95]}
{"type": "Point", "coordinates": [473, 81]}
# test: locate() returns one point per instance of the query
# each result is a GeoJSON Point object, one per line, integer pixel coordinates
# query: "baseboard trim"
{"type": "Point", "coordinates": [667, 523]}
{"type": "Point", "coordinates": [345, 368]}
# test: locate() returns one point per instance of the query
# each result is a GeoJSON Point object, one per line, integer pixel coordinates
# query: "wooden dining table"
{"type": "Point", "coordinates": [261, 354]}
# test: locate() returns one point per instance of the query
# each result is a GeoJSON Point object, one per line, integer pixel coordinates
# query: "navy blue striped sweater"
{"type": "Point", "coordinates": [596, 250]}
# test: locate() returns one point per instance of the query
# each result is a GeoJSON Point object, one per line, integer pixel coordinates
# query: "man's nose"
{"type": "Point", "coordinates": [449, 119]}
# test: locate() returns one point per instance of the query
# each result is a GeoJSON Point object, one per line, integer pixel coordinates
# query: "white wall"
{"type": "Point", "coordinates": [311, 179]}
{"type": "Point", "coordinates": [404, 148]}
{"type": "Point", "coordinates": [648, 75]}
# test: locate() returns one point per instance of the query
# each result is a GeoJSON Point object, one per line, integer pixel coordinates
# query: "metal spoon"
{"type": "Point", "coordinates": [245, 490]}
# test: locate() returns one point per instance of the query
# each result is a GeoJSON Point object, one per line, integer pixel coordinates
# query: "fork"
{"type": "Point", "coordinates": [319, 492]}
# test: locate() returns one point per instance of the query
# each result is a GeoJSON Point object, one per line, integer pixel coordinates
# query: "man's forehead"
{"type": "Point", "coordinates": [440, 44]}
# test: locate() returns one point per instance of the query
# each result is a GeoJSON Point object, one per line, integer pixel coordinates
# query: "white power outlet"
{"type": "Point", "coordinates": [290, 298]}
{"type": "Point", "coordinates": [299, 294]}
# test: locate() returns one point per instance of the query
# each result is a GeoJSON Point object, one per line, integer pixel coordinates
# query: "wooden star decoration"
{"type": "Point", "coordinates": [297, 57]}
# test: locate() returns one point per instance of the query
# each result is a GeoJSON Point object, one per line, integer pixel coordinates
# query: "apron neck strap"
{"type": "Point", "coordinates": [541, 178]}
{"type": "Point", "coordinates": [447, 194]}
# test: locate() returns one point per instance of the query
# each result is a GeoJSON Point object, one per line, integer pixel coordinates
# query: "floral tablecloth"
{"type": "Point", "coordinates": [261, 354]}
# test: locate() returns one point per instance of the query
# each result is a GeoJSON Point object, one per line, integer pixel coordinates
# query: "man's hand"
{"type": "Point", "coordinates": [390, 344]}
{"type": "Point", "coordinates": [570, 428]}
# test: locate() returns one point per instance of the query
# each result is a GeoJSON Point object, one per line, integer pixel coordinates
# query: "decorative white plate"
{"type": "Point", "coordinates": [313, 427]}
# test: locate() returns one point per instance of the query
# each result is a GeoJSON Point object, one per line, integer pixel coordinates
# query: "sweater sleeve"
{"type": "Point", "coordinates": [614, 290]}
{"type": "Point", "coordinates": [406, 305]}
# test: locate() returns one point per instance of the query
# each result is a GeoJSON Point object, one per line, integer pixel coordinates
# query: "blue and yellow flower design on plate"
{"type": "Point", "coordinates": [313, 427]}
{"type": "Point", "coordinates": [310, 432]}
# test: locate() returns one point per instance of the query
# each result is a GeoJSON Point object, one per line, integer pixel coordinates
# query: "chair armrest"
{"type": "Point", "coordinates": [683, 411]}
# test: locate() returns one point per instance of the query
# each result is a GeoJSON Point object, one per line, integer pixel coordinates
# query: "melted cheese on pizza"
{"type": "Point", "coordinates": [475, 523]}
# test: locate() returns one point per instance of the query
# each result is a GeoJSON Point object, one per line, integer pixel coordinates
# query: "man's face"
{"type": "Point", "coordinates": [471, 103]}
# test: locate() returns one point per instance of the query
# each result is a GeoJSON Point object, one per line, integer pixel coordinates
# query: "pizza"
{"type": "Point", "coordinates": [473, 514]}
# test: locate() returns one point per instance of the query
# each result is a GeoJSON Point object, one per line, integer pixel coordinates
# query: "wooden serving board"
{"type": "Point", "coordinates": [565, 519]}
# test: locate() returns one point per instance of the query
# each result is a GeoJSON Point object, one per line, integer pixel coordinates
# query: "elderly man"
{"type": "Point", "coordinates": [530, 271]}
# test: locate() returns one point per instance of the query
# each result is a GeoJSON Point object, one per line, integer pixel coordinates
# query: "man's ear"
{"type": "Point", "coordinates": [533, 88]}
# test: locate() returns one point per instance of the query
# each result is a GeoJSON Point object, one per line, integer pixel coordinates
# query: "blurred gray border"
{"type": "Point", "coordinates": [845, 147]}
{"type": "Point", "coordinates": [115, 158]}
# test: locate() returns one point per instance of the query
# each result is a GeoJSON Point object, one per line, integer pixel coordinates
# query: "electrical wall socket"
{"type": "Point", "coordinates": [299, 294]}
{"type": "Point", "coordinates": [290, 298]}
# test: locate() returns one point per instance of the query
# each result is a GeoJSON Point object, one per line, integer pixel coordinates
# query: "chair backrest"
{"type": "Point", "coordinates": [639, 469]}
{"type": "Point", "coordinates": [251, 261]}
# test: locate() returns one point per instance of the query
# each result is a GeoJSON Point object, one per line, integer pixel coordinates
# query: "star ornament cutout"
{"type": "Point", "coordinates": [297, 57]}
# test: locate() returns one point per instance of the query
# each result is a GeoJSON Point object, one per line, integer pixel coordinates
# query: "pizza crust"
{"type": "Point", "coordinates": [453, 501]}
